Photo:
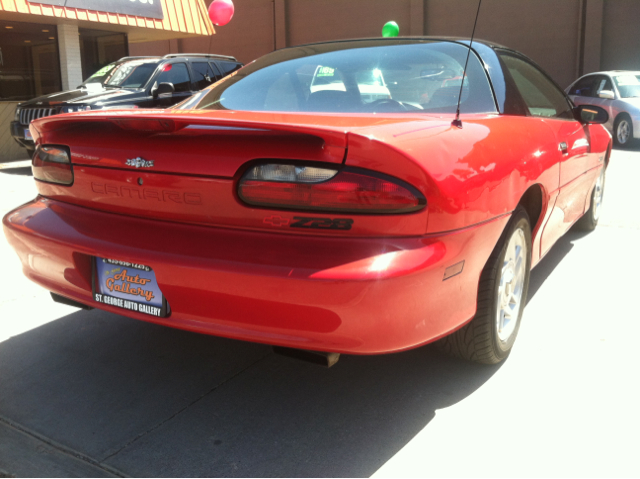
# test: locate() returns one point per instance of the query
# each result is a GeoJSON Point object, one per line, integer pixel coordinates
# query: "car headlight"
{"type": "Point", "coordinates": [16, 117]}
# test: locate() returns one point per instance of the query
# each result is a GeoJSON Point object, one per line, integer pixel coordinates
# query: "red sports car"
{"type": "Point", "coordinates": [307, 203]}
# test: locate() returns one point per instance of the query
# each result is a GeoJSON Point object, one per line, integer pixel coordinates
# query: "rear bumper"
{"type": "Point", "coordinates": [353, 295]}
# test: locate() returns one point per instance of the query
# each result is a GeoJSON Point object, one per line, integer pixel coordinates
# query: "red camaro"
{"type": "Point", "coordinates": [322, 198]}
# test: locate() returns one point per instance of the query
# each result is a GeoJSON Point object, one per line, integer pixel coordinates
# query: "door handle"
{"type": "Point", "coordinates": [563, 148]}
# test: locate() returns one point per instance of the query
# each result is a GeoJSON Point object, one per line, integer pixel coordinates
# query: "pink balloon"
{"type": "Point", "coordinates": [221, 12]}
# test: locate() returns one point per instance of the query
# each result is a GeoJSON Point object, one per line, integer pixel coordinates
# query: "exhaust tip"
{"type": "Point", "coordinates": [315, 357]}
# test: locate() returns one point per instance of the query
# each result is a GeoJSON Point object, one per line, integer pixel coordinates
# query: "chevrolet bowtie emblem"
{"type": "Point", "coordinates": [139, 163]}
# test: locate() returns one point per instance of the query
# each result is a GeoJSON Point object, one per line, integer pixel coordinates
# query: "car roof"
{"type": "Point", "coordinates": [462, 40]}
{"type": "Point", "coordinates": [179, 56]}
{"type": "Point", "coordinates": [612, 72]}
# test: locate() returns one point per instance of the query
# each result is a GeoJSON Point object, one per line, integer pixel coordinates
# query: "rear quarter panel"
{"type": "Point", "coordinates": [468, 175]}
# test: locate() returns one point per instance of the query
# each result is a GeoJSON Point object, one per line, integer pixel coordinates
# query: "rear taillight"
{"type": "Point", "coordinates": [347, 190]}
{"type": "Point", "coordinates": [52, 164]}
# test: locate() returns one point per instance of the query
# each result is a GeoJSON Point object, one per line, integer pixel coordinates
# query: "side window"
{"type": "Point", "coordinates": [604, 83]}
{"type": "Point", "coordinates": [216, 71]}
{"type": "Point", "coordinates": [203, 76]}
{"type": "Point", "coordinates": [228, 67]}
{"type": "Point", "coordinates": [177, 74]}
{"type": "Point", "coordinates": [542, 97]}
{"type": "Point", "coordinates": [584, 87]}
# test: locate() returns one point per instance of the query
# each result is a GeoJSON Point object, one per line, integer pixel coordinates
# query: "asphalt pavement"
{"type": "Point", "coordinates": [89, 393]}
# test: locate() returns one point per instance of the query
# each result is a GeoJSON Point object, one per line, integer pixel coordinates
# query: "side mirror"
{"type": "Point", "coordinates": [162, 89]}
{"type": "Point", "coordinates": [591, 114]}
{"type": "Point", "coordinates": [607, 95]}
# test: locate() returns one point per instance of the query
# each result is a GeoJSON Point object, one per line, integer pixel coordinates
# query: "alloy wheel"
{"type": "Point", "coordinates": [512, 278]}
{"type": "Point", "coordinates": [622, 133]}
{"type": "Point", "coordinates": [598, 193]}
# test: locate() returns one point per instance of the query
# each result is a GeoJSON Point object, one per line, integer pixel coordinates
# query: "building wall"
{"type": "Point", "coordinates": [621, 35]}
{"type": "Point", "coordinates": [566, 37]}
{"type": "Point", "coordinates": [321, 20]}
{"type": "Point", "coordinates": [544, 30]}
{"type": "Point", "coordinates": [248, 36]}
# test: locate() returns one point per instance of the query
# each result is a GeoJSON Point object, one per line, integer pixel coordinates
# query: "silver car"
{"type": "Point", "coordinates": [616, 91]}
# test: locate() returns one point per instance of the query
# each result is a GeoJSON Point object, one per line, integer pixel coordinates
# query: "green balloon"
{"type": "Point", "coordinates": [390, 29]}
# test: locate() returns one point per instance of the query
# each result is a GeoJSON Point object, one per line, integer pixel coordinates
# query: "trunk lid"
{"type": "Point", "coordinates": [183, 166]}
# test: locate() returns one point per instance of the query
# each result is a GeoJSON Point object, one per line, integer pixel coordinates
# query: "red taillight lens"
{"type": "Point", "coordinates": [323, 189]}
{"type": "Point", "coordinates": [52, 164]}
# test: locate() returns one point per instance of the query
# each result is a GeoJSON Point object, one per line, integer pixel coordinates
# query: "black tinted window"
{"type": "Point", "coordinates": [584, 87]}
{"type": "Point", "coordinates": [177, 74]}
{"type": "Point", "coordinates": [203, 76]}
{"type": "Point", "coordinates": [227, 67]}
{"type": "Point", "coordinates": [216, 71]}
{"type": "Point", "coordinates": [542, 97]}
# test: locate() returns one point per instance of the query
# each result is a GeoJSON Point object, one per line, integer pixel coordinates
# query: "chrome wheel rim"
{"type": "Point", "coordinates": [623, 132]}
{"type": "Point", "coordinates": [511, 286]}
{"type": "Point", "coordinates": [598, 192]}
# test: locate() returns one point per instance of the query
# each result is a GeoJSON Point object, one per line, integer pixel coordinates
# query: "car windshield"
{"type": "Point", "coordinates": [364, 76]}
{"type": "Point", "coordinates": [628, 85]}
{"type": "Point", "coordinates": [131, 74]}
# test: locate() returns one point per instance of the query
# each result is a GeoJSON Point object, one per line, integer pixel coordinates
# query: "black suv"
{"type": "Point", "coordinates": [131, 82]}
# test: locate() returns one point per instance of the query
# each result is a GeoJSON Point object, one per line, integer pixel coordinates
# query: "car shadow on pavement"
{"type": "Point", "coordinates": [552, 259]}
{"type": "Point", "coordinates": [149, 400]}
{"type": "Point", "coordinates": [22, 171]}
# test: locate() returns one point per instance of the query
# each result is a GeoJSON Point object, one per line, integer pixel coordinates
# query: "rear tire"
{"type": "Point", "coordinates": [623, 130]}
{"type": "Point", "coordinates": [502, 294]}
{"type": "Point", "coordinates": [589, 220]}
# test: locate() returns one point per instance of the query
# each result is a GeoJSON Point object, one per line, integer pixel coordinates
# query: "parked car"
{"type": "Point", "coordinates": [263, 210]}
{"type": "Point", "coordinates": [616, 91]}
{"type": "Point", "coordinates": [131, 82]}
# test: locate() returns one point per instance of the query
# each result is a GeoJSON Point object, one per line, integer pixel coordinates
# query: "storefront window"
{"type": "Point", "coordinates": [98, 48]}
{"type": "Point", "coordinates": [29, 60]}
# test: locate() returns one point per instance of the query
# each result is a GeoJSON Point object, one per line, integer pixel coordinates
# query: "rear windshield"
{"type": "Point", "coordinates": [358, 77]}
{"type": "Point", "coordinates": [628, 85]}
{"type": "Point", "coordinates": [131, 74]}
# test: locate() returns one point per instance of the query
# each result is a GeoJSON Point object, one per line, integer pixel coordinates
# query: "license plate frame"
{"type": "Point", "coordinates": [123, 298]}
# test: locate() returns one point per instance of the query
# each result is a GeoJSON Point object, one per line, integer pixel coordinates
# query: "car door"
{"type": "Point", "coordinates": [178, 75]}
{"type": "Point", "coordinates": [544, 99]}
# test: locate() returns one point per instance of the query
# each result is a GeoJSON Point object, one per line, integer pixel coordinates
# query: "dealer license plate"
{"type": "Point", "coordinates": [27, 134]}
{"type": "Point", "coordinates": [128, 286]}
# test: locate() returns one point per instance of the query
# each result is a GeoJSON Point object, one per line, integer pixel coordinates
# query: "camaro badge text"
{"type": "Point", "coordinates": [139, 163]}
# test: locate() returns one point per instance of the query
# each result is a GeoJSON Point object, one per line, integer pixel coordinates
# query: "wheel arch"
{"type": "Point", "coordinates": [533, 201]}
